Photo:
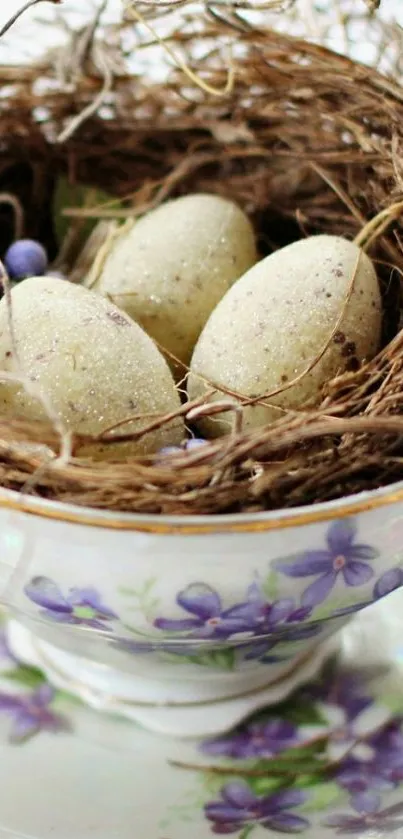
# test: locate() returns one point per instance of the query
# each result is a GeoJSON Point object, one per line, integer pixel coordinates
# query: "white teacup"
{"type": "Point", "coordinates": [160, 611]}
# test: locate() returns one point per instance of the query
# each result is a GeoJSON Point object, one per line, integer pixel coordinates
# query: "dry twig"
{"type": "Point", "coordinates": [21, 11]}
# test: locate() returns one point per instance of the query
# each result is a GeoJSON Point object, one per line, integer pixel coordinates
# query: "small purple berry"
{"type": "Point", "coordinates": [25, 258]}
{"type": "Point", "coordinates": [167, 450]}
{"type": "Point", "coordinates": [188, 445]}
{"type": "Point", "coordinates": [195, 443]}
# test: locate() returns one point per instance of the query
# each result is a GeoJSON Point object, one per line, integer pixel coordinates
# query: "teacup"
{"type": "Point", "coordinates": [182, 611]}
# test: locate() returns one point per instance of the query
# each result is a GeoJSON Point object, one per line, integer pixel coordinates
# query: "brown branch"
{"type": "Point", "coordinates": [16, 206]}
{"type": "Point", "coordinates": [102, 65]}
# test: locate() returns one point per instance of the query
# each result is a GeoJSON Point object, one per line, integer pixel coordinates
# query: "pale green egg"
{"type": "Point", "coordinates": [175, 264]}
{"type": "Point", "coordinates": [90, 360]}
{"type": "Point", "coordinates": [275, 321]}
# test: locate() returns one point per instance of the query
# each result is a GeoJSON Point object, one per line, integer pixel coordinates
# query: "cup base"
{"type": "Point", "coordinates": [201, 719]}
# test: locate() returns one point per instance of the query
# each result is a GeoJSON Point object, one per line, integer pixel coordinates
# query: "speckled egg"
{"type": "Point", "coordinates": [275, 321]}
{"type": "Point", "coordinates": [95, 365]}
{"type": "Point", "coordinates": [172, 268]}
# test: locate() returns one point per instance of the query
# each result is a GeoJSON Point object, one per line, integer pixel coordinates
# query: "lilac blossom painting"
{"type": "Point", "coordinates": [270, 621]}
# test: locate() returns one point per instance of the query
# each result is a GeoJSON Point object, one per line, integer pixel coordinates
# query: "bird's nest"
{"type": "Point", "coordinates": [306, 141]}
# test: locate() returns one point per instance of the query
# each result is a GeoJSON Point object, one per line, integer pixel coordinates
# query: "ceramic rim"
{"type": "Point", "coordinates": [204, 525]}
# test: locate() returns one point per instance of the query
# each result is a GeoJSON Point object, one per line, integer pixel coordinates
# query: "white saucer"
{"type": "Point", "coordinates": [195, 721]}
{"type": "Point", "coordinates": [102, 777]}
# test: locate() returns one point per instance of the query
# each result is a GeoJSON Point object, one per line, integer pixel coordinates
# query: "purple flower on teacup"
{"type": "Point", "coordinates": [258, 739]}
{"type": "Point", "coordinates": [281, 617]}
{"type": "Point", "coordinates": [256, 616]}
{"type": "Point", "coordinates": [31, 713]}
{"type": "Point", "coordinates": [352, 722]}
{"type": "Point", "coordinates": [390, 581]}
{"type": "Point", "coordinates": [368, 817]}
{"type": "Point", "coordinates": [360, 776]}
{"type": "Point", "coordinates": [388, 745]}
{"type": "Point", "coordinates": [239, 808]}
{"type": "Point", "coordinates": [345, 689]}
{"type": "Point", "coordinates": [383, 772]}
{"type": "Point", "coordinates": [343, 557]}
{"type": "Point", "coordinates": [262, 651]}
{"type": "Point", "coordinates": [206, 617]}
{"type": "Point", "coordinates": [80, 606]}
{"type": "Point", "coordinates": [346, 733]}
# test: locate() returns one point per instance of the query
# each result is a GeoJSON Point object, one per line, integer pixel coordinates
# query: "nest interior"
{"type": "Point", "coordinates": [305, 141]}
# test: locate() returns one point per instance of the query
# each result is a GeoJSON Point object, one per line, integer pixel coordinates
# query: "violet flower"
{"type": "Point", "coordinates": [79, 607]}
{"type": "Point", "coordinates": [368, 818]}
{"type": "Point", "coordinates": [343, 556]}
{"type": "Point", "coordinates": [31, 713]}
{"type": "Point", "coordinates": [358, 777]}
{"type": "Point", "coordinates": [390, 581]}
{"type": "Point", "coordinates": [239, 808]}
{"type": "Point", "coordinates": [388, 746]}
{"type": "Point", "coordinates": [257, 740]}
{"type": "Point", "coordinates": [346, 735]}
{"type": "Point", "coordinates": [206, 617]}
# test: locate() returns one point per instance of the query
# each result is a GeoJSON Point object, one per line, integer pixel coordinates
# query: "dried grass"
{"type": "Point", "coordinates": [306, 141]}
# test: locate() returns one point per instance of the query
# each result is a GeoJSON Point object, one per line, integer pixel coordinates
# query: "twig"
{"type": "Point", "coordinates": [16, 206]}
{"type": "Point", "coordinates": [179, 62]}
{"type": "Point", "coordinates": [107, 75]}
{"type": "Point", "coordinates": [377, 225]}
{"type": "Point", "coordinates": [21, 11]}
{"type": "Point", "coordinates": [105, 436]}
{"type": "Point", "coordinates": [235, 770]}
{"type": "Point", "coordinates": [323, 768]}
{"type": "Point", "coordinates": [110, 235]}
{"type": "Point", "coordinates": [92, 108]}
{"type": "Point", "coordinates": [210, 409]}
{"type": "Point", "coordinates": [268, 771]}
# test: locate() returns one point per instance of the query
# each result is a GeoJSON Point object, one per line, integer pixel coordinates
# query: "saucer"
{"type": "Point", "coordinates": [328, 762]}
{"type": "Point", "coordinates": [204, 719]}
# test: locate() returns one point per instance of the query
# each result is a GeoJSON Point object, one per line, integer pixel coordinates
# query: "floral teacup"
{"type": "Point", "coordinates": [179, 611]}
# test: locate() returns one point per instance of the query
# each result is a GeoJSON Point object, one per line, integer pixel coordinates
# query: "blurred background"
{"type": "Point", "coordinates": [327, 19]}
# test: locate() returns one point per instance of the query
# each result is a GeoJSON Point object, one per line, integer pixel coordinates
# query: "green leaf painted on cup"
{"type": "Point", "coordinates": [322, 796]}
{"type": "Point", "coordinates": [30, 677]}
{"type": "Point", "coordinates": [270, 585]}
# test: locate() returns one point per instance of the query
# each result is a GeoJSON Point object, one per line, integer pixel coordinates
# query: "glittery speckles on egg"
{"type": "Point", "coordinates": [90, 360]}
{"type": "Point", "coordinates": [275, 321]}
{"type": "Point", "coordinates": [174, 265]}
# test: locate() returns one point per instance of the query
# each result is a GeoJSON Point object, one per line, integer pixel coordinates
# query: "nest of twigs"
{"type": "Point", "coordinates": [305, 141]}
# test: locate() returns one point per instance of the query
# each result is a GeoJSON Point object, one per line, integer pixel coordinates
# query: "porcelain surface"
{"type": "Point", "coordinates": [327, 763]}
{"type": "Point", "coordinates": [195, 720]}
{"type": "Point", "coordinates": [190, 617]}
